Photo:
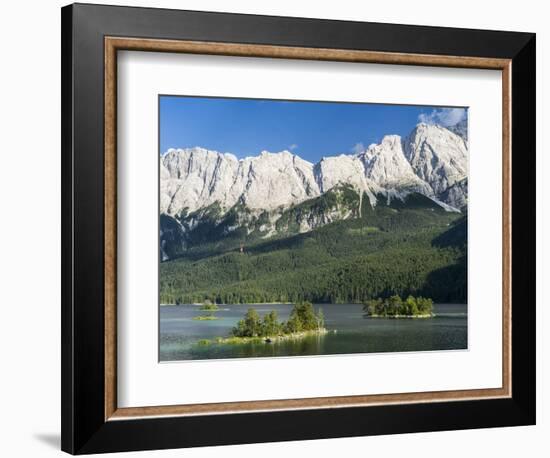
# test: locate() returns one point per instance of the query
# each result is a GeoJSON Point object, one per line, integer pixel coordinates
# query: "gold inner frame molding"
{"type": "Point", "coordinates": [114, 44]}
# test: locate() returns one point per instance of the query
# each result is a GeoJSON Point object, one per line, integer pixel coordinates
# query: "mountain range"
{"type": "Point", "coordinates": [208, 197]}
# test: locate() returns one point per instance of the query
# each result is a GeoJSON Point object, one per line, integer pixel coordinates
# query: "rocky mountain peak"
{"type": "Point", "coordinates": [437, 156]}
{"type": "Point", "coordinates": [430, 160]}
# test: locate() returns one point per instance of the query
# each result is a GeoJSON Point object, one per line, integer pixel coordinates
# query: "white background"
{"type": "Point", "coordinates": [144, 382]}
{"type": "Point", "coordinates": [30, 230]}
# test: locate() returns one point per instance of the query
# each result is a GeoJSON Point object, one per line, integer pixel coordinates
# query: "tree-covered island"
{"type": "Point", "coordinates": [395, 307]}
{"type": "Point", "coordinates": [209, 306]}
{"type": "Point", "coordinates": [302, 322]}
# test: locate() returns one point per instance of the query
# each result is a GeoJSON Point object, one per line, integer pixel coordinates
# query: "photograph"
{"type": "Point", "coordinates": [275, 229]}
{"type": "Point", "coordinates": [307, 228]}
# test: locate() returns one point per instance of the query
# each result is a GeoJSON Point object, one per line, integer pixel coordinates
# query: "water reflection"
{"type": "Point", "coordinates": [349, 332]}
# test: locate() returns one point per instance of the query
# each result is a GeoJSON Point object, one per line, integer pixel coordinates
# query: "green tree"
{"type": "Point", "coordinates": [394, 305]}
{"type": "Point", "coordinates": [294, 324]}
{"type": "Point", "coordinates": [306, 314]}
{"type": "Point", "coordinates": [425, 305]}
{"type": "Point", "coordinates": [271, 325]}
{"type": "Point", "coordinates": [250, 326]}
{"type": "Point", "coordinates": [373, 307]}
{"type": "Point", "coordinates": [411, 307]}
{"type": "Point", "coordinates": [320, 319]}
{"type": "Point", "coordinates": [252, 322]}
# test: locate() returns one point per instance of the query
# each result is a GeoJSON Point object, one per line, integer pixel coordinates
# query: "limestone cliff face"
{"type": "Point", "coordinates": [273, 192]}
{"type": "Point", "coordinates": [437, 156]}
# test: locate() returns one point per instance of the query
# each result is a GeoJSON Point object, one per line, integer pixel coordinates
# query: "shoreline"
{"type": "Point", "coordinates": [196, 304]}
{"type": "Point", "coordinates": [263, 340]}
{"type": "Point", "coordinates": [401, 317]}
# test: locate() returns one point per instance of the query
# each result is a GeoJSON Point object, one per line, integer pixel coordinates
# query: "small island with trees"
{"type": "Point", "coordinates": [302, 322]}
{"type": "Point", "coordinates": [209, 306]}
{"type": "Point", "coordinates": [395, 307]}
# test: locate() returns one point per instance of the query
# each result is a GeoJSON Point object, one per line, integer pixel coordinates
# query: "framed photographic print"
{"type": "Point", "coordinates": [274, 221]}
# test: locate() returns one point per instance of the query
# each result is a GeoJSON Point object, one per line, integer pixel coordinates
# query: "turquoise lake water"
{"type": "Point", "coordinates": [349, 332]}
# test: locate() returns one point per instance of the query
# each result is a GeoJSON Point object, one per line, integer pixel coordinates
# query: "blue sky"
{"type": "Point", "coordinates": [312, 130]}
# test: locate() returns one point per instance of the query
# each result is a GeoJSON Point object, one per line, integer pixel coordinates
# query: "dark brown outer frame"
{"type": "Point", "coordinates": [114, 44]}
{"type": "Point", "coordinates": [90, 36]}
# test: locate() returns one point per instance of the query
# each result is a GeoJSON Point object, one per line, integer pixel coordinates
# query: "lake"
{"type": "Point", "coordinates": [349, 332]}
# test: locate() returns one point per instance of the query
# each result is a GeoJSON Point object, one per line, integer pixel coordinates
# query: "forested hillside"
{"type": "Point", "coordinates": [411, 246]}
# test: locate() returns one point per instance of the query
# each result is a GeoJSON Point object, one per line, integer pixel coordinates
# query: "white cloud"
{"type": "Point", "coordinates": [292, 147]}
{"type": "Point", "coordinates": [358, 148]}
{"type": "Point", "coordinates": [444, 117]}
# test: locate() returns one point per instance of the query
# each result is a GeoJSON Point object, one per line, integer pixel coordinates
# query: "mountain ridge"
{"type": "Point", "coordinates": [273, 192]}
{"type": "Point", "coordinates": [430, 160]}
